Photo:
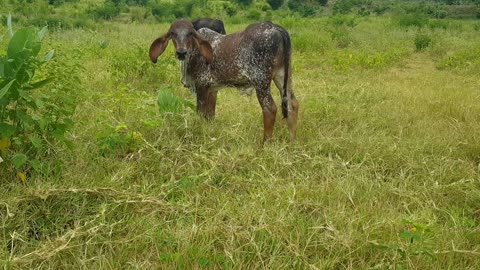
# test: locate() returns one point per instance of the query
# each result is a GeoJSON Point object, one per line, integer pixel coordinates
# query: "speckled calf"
{"type": "Point", "coordinates": [251, 58]}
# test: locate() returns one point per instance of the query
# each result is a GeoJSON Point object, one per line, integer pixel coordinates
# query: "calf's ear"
{"type": "Point", "coordinates": [158, 47]}
{"type": "Point", "coordinates": [205, 48]}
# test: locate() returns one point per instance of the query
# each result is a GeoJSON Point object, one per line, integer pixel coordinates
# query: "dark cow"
{"type": "Point", "coordinates": [213, 24]}
{"type": "Point", "coordinates": [251, 58]}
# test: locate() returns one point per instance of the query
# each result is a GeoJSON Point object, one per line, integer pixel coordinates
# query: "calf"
{"type": "Point", "coordinates": [213, 24]}
{"type": "Point", "coordinates": [251, 58]}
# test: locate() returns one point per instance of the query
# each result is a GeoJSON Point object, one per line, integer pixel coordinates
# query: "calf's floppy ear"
{"type": "Point", "coordinates": [158, 47]}
{"type": "Point", "coordinates": [205, 48]}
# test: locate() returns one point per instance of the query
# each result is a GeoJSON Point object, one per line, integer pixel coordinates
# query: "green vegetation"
{"type": "Point", "coordinates": [108, 165]}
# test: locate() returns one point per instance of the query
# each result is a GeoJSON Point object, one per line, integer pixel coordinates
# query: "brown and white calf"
{"type": "Point", "coordinates": [251, 58]}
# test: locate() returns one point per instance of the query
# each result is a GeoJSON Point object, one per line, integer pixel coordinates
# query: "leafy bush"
{"type": "Point", "coordinates": [305, 8]}
{"type": "Point", "coordinates": [408, 20]}
{"type": "Point", "coordinates": [31, 122]}
{"type": "Point", "coordinates": [337, 21]}
{"type": "Point", "coordinates": [342, 37]}
{"type": "Point", "coordinates": [275, 4]}
{"type": "Point", "coordinates": [108, 11]}
{"type": "Point", "coordinates": [322, 2]}
{"type": "Point", "coordinates": [476, 26]}
{"type": "Point", "coordinates": [179, 9]}
{"type": "Point", "coordinates": [254, 14]}
{"type": "Point", "coordinates": [422, 41]}
{"type": "Point", "coordinates": [438, 24]}
{"type": "Point", "coordinates": [244, 2]}
{"type": "Point", "coordinates": [347, 6]}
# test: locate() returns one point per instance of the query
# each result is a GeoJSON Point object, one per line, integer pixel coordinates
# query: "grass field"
{"type": "Point", "coordinates": [384, 173]}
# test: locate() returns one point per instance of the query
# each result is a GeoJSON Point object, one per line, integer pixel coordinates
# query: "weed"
{"type": "Point", "coordinates": [422, 41]}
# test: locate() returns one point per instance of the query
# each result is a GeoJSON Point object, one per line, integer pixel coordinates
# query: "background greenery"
{"type": "Point", "coordinates": [384, 173]}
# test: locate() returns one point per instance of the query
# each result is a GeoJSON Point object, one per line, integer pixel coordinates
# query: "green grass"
{"type": "Point", "coordinates": [388, 144]}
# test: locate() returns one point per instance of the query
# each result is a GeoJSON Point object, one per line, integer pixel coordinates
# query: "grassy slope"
{"type": "Point", "coordinates": [375, 147]}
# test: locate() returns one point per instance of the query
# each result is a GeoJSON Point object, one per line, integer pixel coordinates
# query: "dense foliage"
{"type": "Point", "coordinates": [58, 13]}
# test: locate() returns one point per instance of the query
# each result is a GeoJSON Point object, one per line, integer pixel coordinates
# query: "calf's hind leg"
{"type": "Point", "coordinates": [292, 102]}
{"type": "Point", "coordinates": [269, 110]}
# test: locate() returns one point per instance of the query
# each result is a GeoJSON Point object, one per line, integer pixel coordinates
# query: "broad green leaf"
{"type": "Point", "coordinates": [23, 44]}
{"type": "Point", "coordinates": [37, 142]}
{"type": "Point", "coordinates": [6, 130]}
{"type": "Point", "coordinates": [49, 55]}
{"type": "Point", "coordinates": [40, 83]}
{"type": "Point", "coordinates": [5, 89]}
{"type": "Point", "coordinates": [43, 123]}
{"type": "Point", "coordinates": [19, 159]}
{"type": "Point", "coordinates": [26, 119]}
{"type": "Point", "coordinates": [36, 165]}
{"type": "Point", "coordinates": [409, 235]}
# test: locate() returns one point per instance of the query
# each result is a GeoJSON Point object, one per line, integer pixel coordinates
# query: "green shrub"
{"type": "Point", "coordinates": [31, 121]}
{"type": "Point", "coordinates": [230, 9]}
{"type": "Point", "coordinates": [275, 4]}
{"type": "Point", "coordinates": [409, 20]}
{"type": "Point", "coordinates": [305, 8]}
{"type": "Point", "coordinates": [422, 41]}
{"type": "Point", "coordinates": [179, 9]}
{"type": "Point", "coordinates": [107, 11]}
{"type": "Point", "coordinates": [244, 2]}
{"type": "Point", "coordinates": [438, 24]}
{"type": "Point", "coordinates": [339, 20]}
{"type": "Point", "coordinates": [440, 13]}
{"type": "Point", "coordinates": [254, 14]}
{"type": "Point", "coordinates": [322, 2]}
{"type": "Point", "coordinates": [360, 7]}
{"type": "Point", "coordinates": [342, 37]}
{"type": "Point", "coordinates": [476, 26]}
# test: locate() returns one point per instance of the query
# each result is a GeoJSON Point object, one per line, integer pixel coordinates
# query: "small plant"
{"type": "Point", "coordinates": [412, 241]}
{"type": "Point", "coordinates": [118, 140]}
{"type": "Point", "coordinates": [422, 41]}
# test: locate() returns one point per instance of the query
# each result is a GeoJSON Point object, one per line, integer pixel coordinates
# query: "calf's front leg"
{"type": "Point", "coordinates": [206, 102]}
{"type": "Point", "coordinates": [269, 109]}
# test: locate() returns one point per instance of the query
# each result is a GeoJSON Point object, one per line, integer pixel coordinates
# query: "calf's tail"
{"type": "Point", "coordinates": [287, 51]}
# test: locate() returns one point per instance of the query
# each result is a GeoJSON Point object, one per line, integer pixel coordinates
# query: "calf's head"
{"type": "Point", "coordinates": [185, 39]}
